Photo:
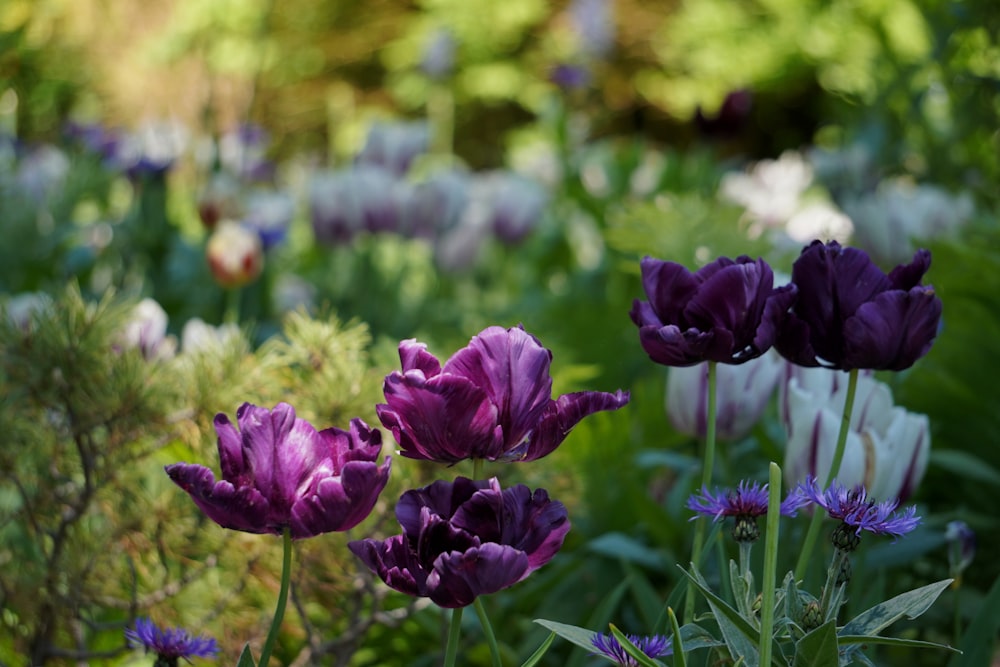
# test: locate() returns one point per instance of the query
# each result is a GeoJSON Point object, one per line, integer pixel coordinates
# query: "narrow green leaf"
{"type": "Point", "coordinates": [246, 658]}
{"type": "Point", "coordinates": [847, 640]}
{"type": "Point", "coordinates": [677, 641]}
{"type": "Point", "coordinates": [978, 641]}
{"type": "Point", "coordinates": [601, 617]}
{"type": "Point", "coordinates": [910, 604]}
{"type": "Point", "coordinates": [646, 598]}
{"type": "Point", "coordinates": [537, 655]}
{"type": "Point", "coordinates": [695, 637]}
{"type": "Point", "coordinates": [741, 637]}
{"type": "Point", "coordinates": [965, 465]}
{"type": "Point", "coordinates": [571, 633]}
{"type": "Point", "coordinates": [818, 648]}
{"type": "Point", "coordinates": [621, 546]}
{"type": "Point", "coordinates": [641, 658]}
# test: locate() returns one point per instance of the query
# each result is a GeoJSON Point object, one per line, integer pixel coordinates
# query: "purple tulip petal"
{"type": "Point", "coordinates": [908, 276]}
{"type": "Point", "coordinates": [460, 577]}
{"type": "Point", "coordinates": [414, 355]}
{"type": "Point", "coordinates": [893, 330]}
{"type": "Point", "coordinates": [446, 418]}
{"type": "Point", "coordinates": [562, 415]}
{"type": "Point", "coordinates": [243, 508]}
{"type": "Point", "coordinates": [512, 367]}
{"type": "Point", "coordinates": [669, 287]}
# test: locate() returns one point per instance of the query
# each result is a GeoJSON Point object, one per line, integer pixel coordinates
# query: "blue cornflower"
{"type": "Point", "coordinates": [857, 513]}
{"type": "Point", "coordinates": [171, 643]}
{"type": "Point", "coordinates": [654, 646]}
{"type": "Point", "coordinates": [746, 503]}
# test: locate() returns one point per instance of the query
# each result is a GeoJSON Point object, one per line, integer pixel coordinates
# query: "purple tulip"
{"type": "Point", "coordinates": [492, 400]}
{"type": "Point", "coordinates": [850, 314]}
{"type": "Point", "coordinates": [466, 538]}
{"type": "Point", "coordinates": [728, 311]}
{"type": "Point", "coordinates": [279, 472]}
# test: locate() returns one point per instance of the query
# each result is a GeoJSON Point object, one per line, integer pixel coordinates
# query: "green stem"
{"type": "Point", "coordinates": [279, 611]}
{"type": "Point", "coordinates": [770, 563]}
{"type": "Point", "coordinates": [706, 479]}
{"type": "Point", "coordinates": [838, 455]}
{"type": "Point", "coordinates": [831, 581]}
{"type": "Point", "coordinates": [477, 468]}
{"type": "Point", "coordinates": [454, 631]}
{"type": "Point", "coordinates": [232, 314]}
{"type": "Point", "coordinates": [491, 638]}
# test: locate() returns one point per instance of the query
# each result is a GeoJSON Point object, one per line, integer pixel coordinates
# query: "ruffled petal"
{"type": "Point", "coordinates": [443, 498]}
{"type": "Point", "coordinates": [242, 508]}
{"type": "Point", "coordinates": [414, 356]}
{"type": "Point", "coordinates": [513, 368]}
{"type": "Point", "coordinates": [672, 347]}
{"type": "Point", "coordinates": [394, 564]}
{"type": "Point", "coordinates": [561, 416]}
{"type": "Point", "coordinates": [669, 287]}
{"type": "Point", "coordinates": [445, 419]}
{"type": "Point", "coordinates": [908, 276]}
{"type": "Point", "coordinates": [234, 465]}
{"type": "Point", "coordinates": [892, 331]}
{"type": "Point", "coordinates": [533, 524]}
{"type": "Point", "coordinates": [340, 503]}
{"type": "Point", "coordinates": [460, 577]}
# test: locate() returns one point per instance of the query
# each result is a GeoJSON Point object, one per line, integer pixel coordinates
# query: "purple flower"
{"type": "Point", "coordinates": [745, 504]}
{"type": "Point", "coordinates": [728, 311]}
{"type": "Point", "coordinates": [961, 546]}
{"type": "Point", "coordinates": [857, 512]}
{"type": "Point", "coordinates": [850, 314]}
{"type": "Point", "coordinates": [466, 538]}
{"type": "Point", "coordinates": [608, 646]}
{"type": "Point", "coordinates": [279, 472]}
{"type": "Point", "coordinates": [748, 500]}
{"type": "Point", "coordinates": [394, 146]}
{"type": "Point", "coordinates": [491, 400]}
{"type": "Point", "coordinates": [346, 202]}
{"type": "Point", "coordinates": [170, 643]}
{"type": "Point", "coordinates": [570, 77]}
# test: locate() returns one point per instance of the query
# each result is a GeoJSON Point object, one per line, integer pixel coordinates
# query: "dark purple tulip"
{"type": "Point", "coordinates": [466, 538]}
{"type": "Point", "coordinates": [492, 400]}
{"type": "Point", "coordinates": [728, 311]}
{"type": "Point", "coordinates": [278, 471]}
{"type": "Point", "coordinates": [850, 314]}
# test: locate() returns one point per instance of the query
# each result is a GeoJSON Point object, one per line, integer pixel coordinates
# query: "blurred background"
{"type": "Point", "coordinates": [205, 202]}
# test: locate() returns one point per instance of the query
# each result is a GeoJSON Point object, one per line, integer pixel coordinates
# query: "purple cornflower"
{"type": "Point", "coordinates": [727, 311]}
{"type": "Point", "coordinates": [849, 314]}
{"type": "Point", "coordinates": [279, 472]}
{"type": "Point", "coordinates": [654, 646]}
{"type": "Point", "coordinates": [746, 503]}
{"type": "Point", "coordinates": [169, 644]}
{"type": "Point", "coordinates": [466, 538]}
{"type": "Point", "coordinates": [491, 400]}
{"type": "Point", "coordinates": [857, 512]}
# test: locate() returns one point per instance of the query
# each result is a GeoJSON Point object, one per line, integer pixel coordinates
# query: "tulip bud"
{"type": "Point", "coordinates": [235, 255]}
{"type": "Point", "coordinates": [742, 393]}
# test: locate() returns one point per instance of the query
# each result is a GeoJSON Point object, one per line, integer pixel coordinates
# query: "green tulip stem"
{"type": "Point", "coordinates": [770, 563]}
{"type": "Point", "coordinates": [477, 468]}
{"type": "Point", "coordinates": [451, 650]}
{"type": "Point", "coordinates": [838, 456]}
{"type": "Point", "coordinates": [706, 479]}
{"type": "Point", "coordinates": [491, 638]}
{"type": "Point", "coordinates": [279, 611]}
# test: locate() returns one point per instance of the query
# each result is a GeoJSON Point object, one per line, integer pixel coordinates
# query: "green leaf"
{"type": "Point", "coordinates": [818, 648]}
{"type": "Point", "coordinates": [619, 545]}
{"type": "Point", "coordinates": [965, 465]}
{"type": "Point", "coordinates": [246, 658]}
{"type": "Point", "coordinates": [910, 604]}
{"type": "Point", "coordinates": [741, 637]}
{"type": "Point", "coordinates": [571, 633]}
{"type": "Point", "coordinates": [677, 644]}
{"type": "Point", "coordinates": [537, 655]}
{"type": "Point", "coordinates": [978, 641]}
{"type": "Point", "coordinates": [847, 640]}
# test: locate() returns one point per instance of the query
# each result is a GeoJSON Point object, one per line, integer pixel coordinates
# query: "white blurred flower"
{"type": "Point", "coordinates": [41, 173]}
{"type": "Point", "coordinates": [887, 447]}
{"type": "Point", "coordinates": [147, 331]}
{"type": "Point", "coordinates": [771, 191]}
{"type": "Point", "coordinates": [888, 221]}
{"type": "Point", "coordinates": [21, 308]}
{"type": "Point", "coordinates": [197, 336]}
{"type": "Point", "coordinates": [742, 394]}
{"type": "Point", "coordinates": [819, 220]}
